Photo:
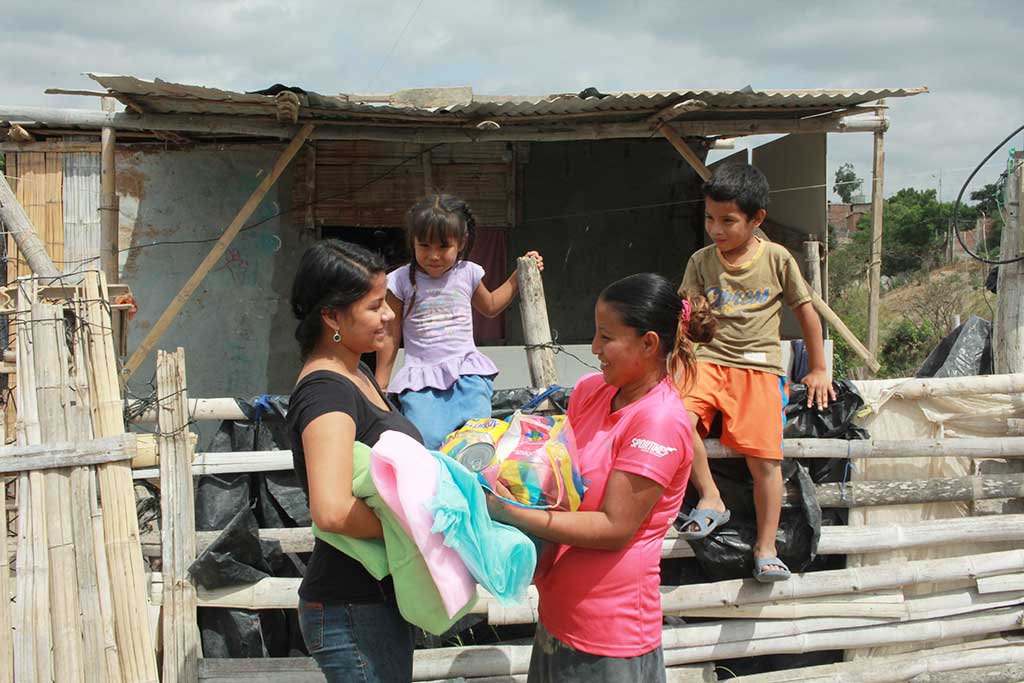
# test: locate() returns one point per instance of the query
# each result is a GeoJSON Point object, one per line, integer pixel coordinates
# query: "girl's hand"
{"type": "Point", "coordinates": [536, 257]}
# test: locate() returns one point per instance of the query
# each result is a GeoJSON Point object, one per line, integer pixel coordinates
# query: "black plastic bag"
{"type": "Point", "coordinates": [965, 352]}
{"type": "Point", "coordinates": [504, 402]}
{"type": "Point", "coordinates": [728, 552]}
{"type": "Point", "coordinates": [835, 422]}
{"type": "Point", "coordinates": [237, 556]}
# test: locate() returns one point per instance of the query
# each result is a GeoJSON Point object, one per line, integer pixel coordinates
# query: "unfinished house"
{"type": "Point", "coordinates": [178, 223]}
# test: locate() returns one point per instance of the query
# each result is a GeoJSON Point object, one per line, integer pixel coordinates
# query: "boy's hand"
{"type": "Point", "coordinates": [536, 257]}
{"type": "Point", "coordinates": [819, 389]}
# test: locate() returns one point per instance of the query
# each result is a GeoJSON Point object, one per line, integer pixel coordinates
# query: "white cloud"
{"type": "Point", "coordinates": [967, 53]}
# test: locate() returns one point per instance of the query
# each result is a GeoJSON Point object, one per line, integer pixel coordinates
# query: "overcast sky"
{"type": "Point", "coordinates": [968, 54]}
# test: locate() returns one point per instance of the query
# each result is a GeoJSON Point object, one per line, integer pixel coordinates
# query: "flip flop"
{"type": "Point", "coordinates": [706, 520]}
{"type": "Point", "coordinates": [770, 575]}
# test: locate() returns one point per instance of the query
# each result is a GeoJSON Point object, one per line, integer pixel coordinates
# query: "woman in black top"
{"type": "Point", "coordinates": [350, 621]}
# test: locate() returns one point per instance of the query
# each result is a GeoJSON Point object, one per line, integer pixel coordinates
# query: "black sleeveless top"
{"type": "Point", "coordinates": [331, 575]}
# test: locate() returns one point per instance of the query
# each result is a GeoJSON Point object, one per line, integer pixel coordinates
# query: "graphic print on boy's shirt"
{"type": "Point", "coordinates": [747, 301]}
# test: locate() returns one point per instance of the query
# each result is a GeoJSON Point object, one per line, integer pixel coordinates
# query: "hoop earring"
{"type": "Point", "coordinates": [336, 337]}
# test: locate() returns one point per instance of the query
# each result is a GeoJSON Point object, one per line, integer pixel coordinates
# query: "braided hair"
{"type": "Point", "coordinates": [437, 217]}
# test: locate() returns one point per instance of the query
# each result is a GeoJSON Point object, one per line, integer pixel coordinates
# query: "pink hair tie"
{"type": "Point", "coordinates": [684, 315]}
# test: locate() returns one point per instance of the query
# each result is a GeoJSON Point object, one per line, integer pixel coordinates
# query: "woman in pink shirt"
{"type": "Point", "coordinates": [600, 607]}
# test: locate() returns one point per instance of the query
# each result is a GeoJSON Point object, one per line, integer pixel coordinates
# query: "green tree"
{"type": "Point", "coordinates": [987, 199]}
{"type": "Point", "coordinates": [847, 182]}
{"type": "Point", "coordinates": [914, 229]}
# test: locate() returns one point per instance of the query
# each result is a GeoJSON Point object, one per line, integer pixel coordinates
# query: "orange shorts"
{"type": "Point", "coordinates": [751, 403]}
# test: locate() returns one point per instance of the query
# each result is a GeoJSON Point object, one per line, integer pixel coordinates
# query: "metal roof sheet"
{"type": "Point", "coordinates": [158, 96]}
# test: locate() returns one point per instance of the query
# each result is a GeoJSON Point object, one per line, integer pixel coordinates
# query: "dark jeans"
{"type": "Point", "coordinates": [354, 643]}
{"type": "Point", "coordinates": [552, 661]}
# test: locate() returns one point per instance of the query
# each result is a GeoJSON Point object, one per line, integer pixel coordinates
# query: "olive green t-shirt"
{"type": "Point", "coordinates": [747, 300]}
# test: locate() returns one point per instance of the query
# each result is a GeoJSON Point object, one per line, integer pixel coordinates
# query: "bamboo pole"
{"type": "Point", "coordinates": [33, 636]}
{"type": "Point", "coordinates": [834, 540]}
{"type": "Point", "coordinates": [109, 203]}
{"type": "Point", "coordinates": [915, 389]}
{"type": "Point", "coordinates": [13, 215]}
{"type": "Point", "coordinates": [961, 626]}
{"type": "Point", "coordinates": [910, 389]}
{"type": "Point", "coordinates": [84, 393]}
{"type": "Point", "coordinates": [912, 491]}
{"type": "Point", "coordinates": [897, 668]}
{"type": "Point", "coordinates": [821, 671]}
{"type": "Point", "coordinates": [50, 357]}
{"type": "Point", "coordinates": [875, 264]}
{"type": "Point", "coordinates": [421, 134]}
{"type": "Point", "coordinates": [180, 643]}
{"type": "Point", "coordinates": [120, 524]}
{"type": "Point", "coordinates": [181, 298]}
{"type": "Point", "coordinates": [830, 317]}
{"type": "Point", "coordinates": [536, 329]}
{"type": "Point", "coordinates": [6, 622]}
{"type": "Point", "coordinates": [854, 580]}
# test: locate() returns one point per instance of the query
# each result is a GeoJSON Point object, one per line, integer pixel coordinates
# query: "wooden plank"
{"type": "Point", "coordinates": [536, 329]}
{"type": "Point", "coordinates": [179, 300]}
{"type": "Point", "coordinates": [1008, 330]}
{"type": "Point", "coordinates": [685, 151]}
{"type": "Point", "coordinates": [66, 454]}
{"type": "Point", "coordinates": [181, 647]}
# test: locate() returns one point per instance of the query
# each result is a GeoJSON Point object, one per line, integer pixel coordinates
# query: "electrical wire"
{"type": "Point", "coordinates": [956, 207]}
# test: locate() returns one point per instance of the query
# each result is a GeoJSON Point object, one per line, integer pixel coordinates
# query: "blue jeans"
{"type": "Point", "coordinates": [439, 412]}
{"type": "Point", "coordinates": [355, 643]}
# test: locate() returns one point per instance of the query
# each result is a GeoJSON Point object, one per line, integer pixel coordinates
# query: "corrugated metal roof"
{"type": "Point", "coordinates": [159, 96]}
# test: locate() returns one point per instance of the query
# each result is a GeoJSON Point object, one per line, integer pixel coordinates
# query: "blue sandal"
{"type": "Point", "coordinates": [706, 520]}
{"type": "Point", "coordinates": [770, 575]}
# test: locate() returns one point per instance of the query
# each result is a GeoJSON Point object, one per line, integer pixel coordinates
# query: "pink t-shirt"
{"type": "Point", "coordinates": [604, 602]}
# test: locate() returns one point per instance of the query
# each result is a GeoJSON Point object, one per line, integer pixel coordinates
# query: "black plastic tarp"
{"type": "Point", "coordinates": [966, 351]}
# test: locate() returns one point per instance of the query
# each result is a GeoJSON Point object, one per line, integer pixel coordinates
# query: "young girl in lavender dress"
{"type": "Point", "coordinates": [445, 380]}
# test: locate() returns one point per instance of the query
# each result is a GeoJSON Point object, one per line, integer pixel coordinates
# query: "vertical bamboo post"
{"type": "Point", "coordinates": [120, 524]}
{"type": "Point", "coordinates": [109, 202]}
{"type": "Point", "coordinates": [74, 397]}
{"type": "Point", "coordinates": [875, 265]}
{"type": "Point", "coordinates": [33, 640]}
{"type": "Point", "coordinates": [540, 356]}
{"type": "Point", "coordinates": [812, 261]}
{"type": "Point", "coordinates": [50, 351]}
{"type": "Point", "coordinates": [1008, 333]}
{"type": "Point", "coordinates": [6, 623]}
{"type": "Point", "coordinates": [177, 528]}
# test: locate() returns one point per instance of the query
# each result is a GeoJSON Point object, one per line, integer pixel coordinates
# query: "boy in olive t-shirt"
{"type": "Point", "coordinates": [746, 280]}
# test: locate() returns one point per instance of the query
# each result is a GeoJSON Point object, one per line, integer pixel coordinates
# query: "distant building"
{"type": "Point", "coordinates": [843, 218]}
